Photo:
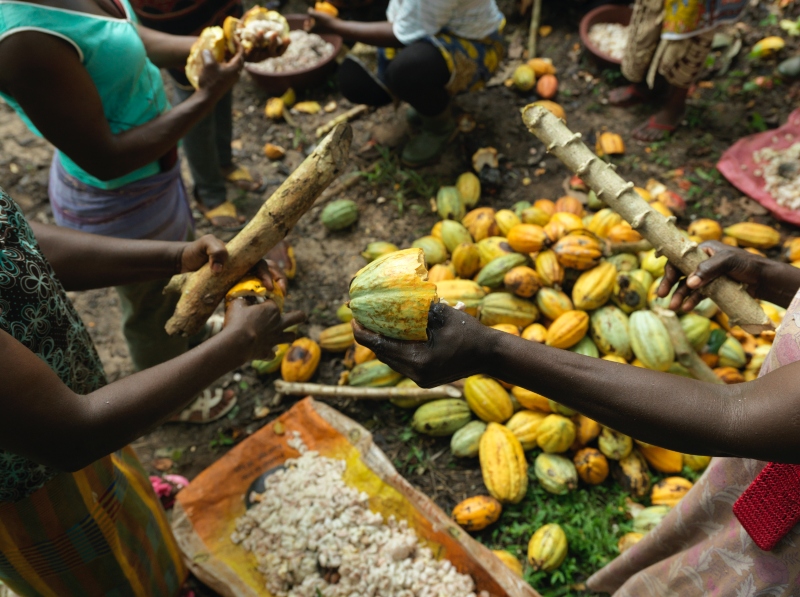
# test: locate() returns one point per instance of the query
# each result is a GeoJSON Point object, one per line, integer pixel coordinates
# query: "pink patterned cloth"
{"type": "Point", "coordinates": [700, 548]}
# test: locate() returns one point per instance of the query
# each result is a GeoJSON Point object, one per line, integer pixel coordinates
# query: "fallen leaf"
{"type": "Point", "coordinates": [725, 207]}
{"type": "Point", "coordinates": [545, 30]}
{"type": "Point", "coordinates": [330, 107]}
{"type": "Point", "coordinates": [307, 107]}
{"type": "Point", "coordinates": [236, 144]}
{"type": "Point", "coordinates": [163, 464]}
{"type": "Point", "coordinates": [752, 207]}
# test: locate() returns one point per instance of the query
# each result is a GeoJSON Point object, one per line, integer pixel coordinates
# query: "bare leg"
{"type": "Point", "coordinates": [629, 95]}
{"type": "Point", "coordinates": [667, 119]}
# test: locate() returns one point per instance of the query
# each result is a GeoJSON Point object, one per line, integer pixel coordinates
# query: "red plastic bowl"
{"type": "Point", "coordinates": [278, 83]}
{"type": "Point", "coordinates": [604, 14]}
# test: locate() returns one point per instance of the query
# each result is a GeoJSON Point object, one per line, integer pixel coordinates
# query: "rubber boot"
{"type": "Point", "coordinates": [413, 117]}
{"type": "Point", "coordinates": [428, 146]}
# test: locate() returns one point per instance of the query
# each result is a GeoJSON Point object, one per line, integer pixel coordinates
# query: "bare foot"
{"type": "Point", "coordinates": [629, 95]}
{"type": "Point", "coordinates": [657, 127]}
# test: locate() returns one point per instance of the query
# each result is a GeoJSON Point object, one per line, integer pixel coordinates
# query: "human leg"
{"type": "Point", "coordinates": [419, 75]}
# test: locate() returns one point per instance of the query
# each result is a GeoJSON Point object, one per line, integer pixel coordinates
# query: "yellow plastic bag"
{"type": "Point", "coordinates": [205, 512]}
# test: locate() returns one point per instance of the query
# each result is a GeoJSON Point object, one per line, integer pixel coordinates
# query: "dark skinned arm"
{"type": "Point", "coordinates": [165, 50]}
{"type": "Point", "coordinates": [44, 420]}
{"type": "Point", "coordinates": [759, 419]}
{"type": "Point", "coordinates": [378, 34]}
{"type": "Point", "coordinates": [766, 279]}
{"type": "Point", "coordinates": [45, 76]}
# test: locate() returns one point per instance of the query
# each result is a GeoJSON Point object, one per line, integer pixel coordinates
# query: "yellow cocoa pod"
{"type": "Point", "coordinates": [534, 215]}
{"type": "Point", "coordinates": [337, 338]}
{"type": "Point", "coordinates": [791, 250]}
{"type": "Point", "coordinates": [391, 295]}
{"type": "Point", "coordinates": [552, 107]}
{"type": "Point", "coordinates": [750, 234]}
{"type": "Point", "coordinates": [526, 238]}
{"type": "Point", "coordinates": [508, 328]}
{"type": "Point", "coordinates": [504, 307]}
{"type": "Point", "coordinates": [509, 560]}
{"type": "Point", "coordinates": [503, 465]}
{"type": "Point", "coordinates": [579, 251]}
{"type": "Point", "coordinates": [568, 329]}
{"type": "Point", "coordinates": [591, 465]}
{"type": "Point", "coordinates": [469, 186]}
{"type": "Point", "coordinates": [553, 303]}
{"type": "Point", "coordinates": [535, 332]}
{"type": "Point", "coordinates": [274, 108]}
{"type": "Point", "coordinates": [522, 281]}
{"type": "Point", "coordinates": [466, 260]}
{"type": "Point", "coordinates": [547, 548]}
{"type": "Point", "coordinates": [477, 513]}
{"type": "Point", "coordinates": [211, 39]}
{"type": "Point", "coordinates": [530, 400]}
{"type": "Point", "coordinates": [550, 270]}
{"type": "Point", "coordinates": [506, 220]}
{"type": "Point", "coordinates": [633, 474]}
{"type": "Point", "coordinates": [524, 78]}
{"type": "Point", "coordinates": [603, 221]}
{"type": "Point", "coordinates": [542, 66]}
{"type": "Point", "coordinates": [301, 361]}
{"type": "Point", "coordinates": [440, 273]}
{"type": "Point", "coordinates": [481, 223]}
{"type": "Point", "coordinates": [271, 366]}
{"type": "Point", "coordinates": [706, 229]}
{"type": "Point", "coordinates": [613, 444]}
{"type": "Point", "coordinates": [696, 463]}
{"type": "Point", "coordinates": [628, 540]}
{"type": "Point", "coordinates": [661, 459]}
{"type": "Point", "coordinates": [670, 491]}
{"type": "Point", "coordinates": [466, 291]}
{"type": "Point", "coordinates": [487, 399]}
{"type": "Point", "coordinates": [586, 430]}
{"type": "Point", "coordinates": [525, 426]}
{"type": "Point", "coordinates": [555, 434]}
{"type": "Point", "coordinates": [623, 233]}
{"type": "Point", "coordinates": [593, 288]}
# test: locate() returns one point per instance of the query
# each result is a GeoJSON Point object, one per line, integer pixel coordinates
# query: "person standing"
{"type": "Point", "coordinates": [207, 145]}
{"type": "Point", "coordinates": [670, 39]}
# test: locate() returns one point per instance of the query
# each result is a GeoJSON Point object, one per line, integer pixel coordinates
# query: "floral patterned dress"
{"type": "Point", "coordinates": [700, 548]}
{"type": "Point", "coordinates": [98, 532]}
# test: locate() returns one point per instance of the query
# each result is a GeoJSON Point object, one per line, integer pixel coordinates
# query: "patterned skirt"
{"type": "Point", "coordinates": [471, 62]}
{"type": "Point", "coordinates": [100, 532]}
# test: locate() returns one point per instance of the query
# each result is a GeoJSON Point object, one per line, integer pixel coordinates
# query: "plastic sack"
{"type": "Point", "coordinates": [737, 165]}
{"type": "Point", "coordinates": [205, 512]}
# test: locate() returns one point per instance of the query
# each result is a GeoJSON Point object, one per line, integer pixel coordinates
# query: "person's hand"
{"type": "Point", "coordinates": [206, 249]}
{"type": "Point", "coordinates": [269, 273]}
{"type": "Point", "coordinates": [257, 329]}
{"type": "Point", "coordinates": [320, 22]}
{"type": "Point", "coordinates": [455, 348]}
{"type": "Point", "coordinates": [217, 79]}
{"type": "Point", "coordinates": [723, 260]}
{"type": "Point", "coordinates": [276, 46]}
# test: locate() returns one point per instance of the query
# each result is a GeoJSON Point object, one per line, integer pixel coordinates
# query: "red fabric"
{"type": "Point", "coordinates": [738, 167]}
{"type": "Point", "coordinates": [770, 507]}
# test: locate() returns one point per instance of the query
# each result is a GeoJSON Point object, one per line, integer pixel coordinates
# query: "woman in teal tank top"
{"type": "Point", "coordinates": [85, 75]}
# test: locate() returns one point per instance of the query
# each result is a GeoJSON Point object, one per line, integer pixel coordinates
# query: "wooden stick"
{"type": "Point", "coordinates": [342, 118]}
{"type": "Point", "coordinates": [619, 195]}
{"type": "Point", "coordinates": [325, 391]}
{"type": "Point", "coordinates": [202, 291]}
{"type": "Point", "coordinates": [533, 34]}
{"type": "Point", "coordinates": [683, 350]}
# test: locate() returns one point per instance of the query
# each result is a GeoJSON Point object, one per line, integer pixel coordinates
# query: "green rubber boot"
{"type": "Point", "coordinates": [413, 117]}
{"type": "Point", "coordinates": [428, 146]}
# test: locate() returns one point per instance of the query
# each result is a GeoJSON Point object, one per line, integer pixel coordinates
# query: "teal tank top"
{"type": "Point", "coordinates": [112, 52]}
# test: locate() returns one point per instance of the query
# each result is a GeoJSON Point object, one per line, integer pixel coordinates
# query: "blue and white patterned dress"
{"type": "Point", "coordinates": [35, 310]}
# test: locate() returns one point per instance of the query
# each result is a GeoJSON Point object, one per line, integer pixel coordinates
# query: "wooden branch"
{"type": "Point", "coordinates": [202, 291]}
{"type": "Point", "coordinates": [683, 350]}
{"type": "Point", "coordinates": [633, 247]}
{"type": "Point", "coordinates": [533, 34]}
{"type": "Point", "coordinates": [325, 391]}
{"type": "Point", "coordinates": [340, 119]}
{"type": "Point", "coordinates": [619, 195]}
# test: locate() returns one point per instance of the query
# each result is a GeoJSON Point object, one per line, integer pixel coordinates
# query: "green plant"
{"type": "Point", "coordinates": [592, 537]}
{"type": "Point", "coordinates": [403, 184]}
{"type": "Point", "coordinates": [757, 123]}
{"type": "Point", "coordinates": [220, 441]}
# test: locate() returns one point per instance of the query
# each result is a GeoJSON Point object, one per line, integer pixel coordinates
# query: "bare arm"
{"type": "Point", "coordinates": [44, 420]}
{"type": "Point", "coordinates": [378, 34]}
{"type": "Point", "coordinates": [165, 50]}
{"type": "Point", "coordinates": [82, 261]}
{"type": "Point", "coordinates": [45, 76]}
{"type": "Point", "coordinates": [759, 419]}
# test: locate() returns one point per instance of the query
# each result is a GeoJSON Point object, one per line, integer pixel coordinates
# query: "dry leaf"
{"type": "Point", "coordinates": [163, 464]}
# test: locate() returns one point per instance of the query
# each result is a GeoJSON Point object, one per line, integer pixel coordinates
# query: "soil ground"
{"type": "Point", "coordinates": [395, 206]}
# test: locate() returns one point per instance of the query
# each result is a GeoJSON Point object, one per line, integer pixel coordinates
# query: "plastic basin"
{"type": "Point", "coordinates": [603, 14]}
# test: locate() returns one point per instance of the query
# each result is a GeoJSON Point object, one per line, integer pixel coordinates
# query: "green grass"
{"type": "Point", "coordinates": [593, 519]}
